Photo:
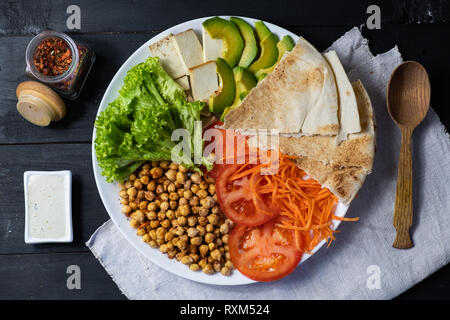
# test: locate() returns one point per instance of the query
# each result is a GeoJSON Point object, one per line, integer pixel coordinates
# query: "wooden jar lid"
{"type": "Point", "coordinates": [39, 104]}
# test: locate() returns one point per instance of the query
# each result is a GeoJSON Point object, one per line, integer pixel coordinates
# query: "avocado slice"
{"type": "Point", "coordinates": [224, 96]}
{"type": "Point", "coordinates": [233, 44]}
{"type": "Point", "coordinates": [245, 81]}
{"type": "Point", "coordinates": [250, 46]}
{"type": "Point", "coordinates": [285, 44]}
{"type": "Point", "coordinates": [268, 56]}
{"type": "Point", "coordinates": [261, 30]}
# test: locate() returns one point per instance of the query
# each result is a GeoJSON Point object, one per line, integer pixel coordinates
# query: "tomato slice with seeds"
{"type": "Point", "coordinates": [237, 199]}
{"type": "Point", "coordinates": [264, 253]}
{"type": "Point", "coordinates": [222, 144]}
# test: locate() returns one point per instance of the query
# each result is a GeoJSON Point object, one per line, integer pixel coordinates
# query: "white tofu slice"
{"type": "Point", "coordinates": [204, 80]}
{"type": "Point", "coordinates": [189, 48]}
{"type": "Point", "coordinates": [170, 60]}
{"type": "Point", "coordinates": [212, 48]}
{"type": "Point", "coordinates": [184, 83]}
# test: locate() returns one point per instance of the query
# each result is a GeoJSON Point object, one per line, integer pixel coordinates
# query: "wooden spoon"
{"type": "Point", "coordinates": [408, 100]}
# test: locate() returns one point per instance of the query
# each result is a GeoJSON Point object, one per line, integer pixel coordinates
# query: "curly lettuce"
{"type": "Point", "coordinates": [138, 125]}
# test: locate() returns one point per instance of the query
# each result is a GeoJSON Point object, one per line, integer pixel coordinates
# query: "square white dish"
{"type": "Point", "coordinates": [66, 176]}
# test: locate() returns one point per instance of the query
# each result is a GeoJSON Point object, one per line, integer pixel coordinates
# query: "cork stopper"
{"type": "Point", "coordinates": [39, 104]}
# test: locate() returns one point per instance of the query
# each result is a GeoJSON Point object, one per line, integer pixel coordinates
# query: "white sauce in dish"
{"type": "Point", "coordinates": [47, 206]}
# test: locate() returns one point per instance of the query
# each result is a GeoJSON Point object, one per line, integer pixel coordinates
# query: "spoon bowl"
{"type": "Point", "coordinates": [409, 94]}
{"type": "Point", "coordinates": [408, 101]}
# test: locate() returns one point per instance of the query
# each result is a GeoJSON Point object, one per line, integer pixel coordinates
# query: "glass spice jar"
{"type": "Point", "coordinates": [56, 60]}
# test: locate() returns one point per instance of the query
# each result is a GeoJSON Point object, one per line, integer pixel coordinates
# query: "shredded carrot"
{"type": "Point", "coordinates": [306, 207]}
{"type": "Point", "coordinates": [143, 224]}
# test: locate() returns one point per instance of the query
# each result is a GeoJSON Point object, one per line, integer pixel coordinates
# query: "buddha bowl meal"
{"type": "Point", "coordinates": [232, 153]}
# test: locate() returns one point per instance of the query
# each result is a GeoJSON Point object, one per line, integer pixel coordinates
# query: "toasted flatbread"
{"type": "Point", "coordinates": [357, 151]}
{"type": "Point", "coordinates": [298, 96]}
{"type": "Point", "coordinates": [348, 108]}
{"type": "Point", "coordinates": [343, 183]}
{"type": "Point", "coordinates": [342, 168]}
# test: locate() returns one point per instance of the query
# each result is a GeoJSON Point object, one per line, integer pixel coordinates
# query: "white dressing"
{"type": "Point", "coordinates": [48, 212]}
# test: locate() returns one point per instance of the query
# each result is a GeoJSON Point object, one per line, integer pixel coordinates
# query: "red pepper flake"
{"type": "Point", "coordinates": [53, 57]}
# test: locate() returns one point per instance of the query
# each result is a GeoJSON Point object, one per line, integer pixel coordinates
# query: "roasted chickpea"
{"type": "Point", "coordinates": [143, 205]}
{"type": "Point", "coordinates": [140, 195]}
{"type": "Point", "coordinates": [145, 179]}
{"type": "Point", "coordinates": [213, 219]}
{"type": "Point", "coordinates": [191, 221]}
{"type": "Point", "coordinates": [208, 269]}
{"type": "Point", "coordinates": [202, 194]}
{"type": "Point", "coordinates": [138, 216]}
{"type": "Point", "coordinates": [196, 178]}
{"type": "Point", "coordinates": [164, 164]}
{"type": "Point", "coordinates": [123, 194]}
{"type": "Point", "coordinates": [194, 267]}
{"type": "Point", "coordinates": [149, 195]}
{"type": "Point", "coordinates": [134, 223]}
{"type": "Point", "coordinates": [156, 172]}
{"type": "Point", "coordinates": [195, 188]}
{"type": "Point", "coordinates": [185, 210]}
{"type": "Point", "coordinates": [159, 189]}
{"type": "Point", "coordinates": [152, 206]}
{"type": "Point", "coordinates": [151, 185]}
{"type": "Point", "coordinates": [126, 209]}
{"type": "Point", "coordinates": [151, 215]}
{"type": "Point", "coordinates": [138, 184]}
{"type": "Point", "coordinates": [132, 192]}
{"type": "Point", "coordinates": [180, 177]}
{"type": "Point", "coordinates": [164, 206]}
{"type": "Point", "coordinates": [209, 237]}
{"type": "Point", "coordinates": [171, 174]}
{"type": "Point", "coordinates": [171, 187]}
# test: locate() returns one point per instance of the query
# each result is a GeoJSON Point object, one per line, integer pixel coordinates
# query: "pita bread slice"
{"type": "Point", "coordinates": [357, 151]}
{"type": "Point", "coordinates": [299, 95]}
{"type": "Point", "coordinates": [343, 183]}
{"type": "Point", "coordinates": [348, 108]}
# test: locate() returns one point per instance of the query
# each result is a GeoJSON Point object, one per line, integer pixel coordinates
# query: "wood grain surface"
{"type": "Point", "coordinates": [114, 30]}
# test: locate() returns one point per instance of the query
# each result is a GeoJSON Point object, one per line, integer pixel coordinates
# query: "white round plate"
{"type": "Point", "coordinates": [109, 192]}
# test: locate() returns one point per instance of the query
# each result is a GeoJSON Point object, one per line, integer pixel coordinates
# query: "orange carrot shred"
{"type": "Point", "coordinates": [306, 207]}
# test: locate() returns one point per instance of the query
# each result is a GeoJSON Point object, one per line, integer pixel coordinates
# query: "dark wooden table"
{"type": "Point", "coordinates": [114, 30]}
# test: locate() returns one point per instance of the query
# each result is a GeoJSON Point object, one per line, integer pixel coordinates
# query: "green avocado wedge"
{"type": "Point", "coordinates": [261, 30]}
{"type": "Point", "coordinates": [223, 97]}
{"type": "Point", "coordinates": [245, 81]}
{"type": "Point", "coordinates": [268, 56]}
{"type": "Point", "coordinates": [250, 46]}
{"type": "Point", "coordinates": [284, 45]}
{"type": "Point", "coordinates": [233, 44]}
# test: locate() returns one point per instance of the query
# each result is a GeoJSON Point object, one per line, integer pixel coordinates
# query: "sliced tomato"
{"type": "Point", "coordinates": [239, 203]}
{"type": "Point", "coordinates": [227, 139]}
{"type": "Point", "coordinates": [264, 253]}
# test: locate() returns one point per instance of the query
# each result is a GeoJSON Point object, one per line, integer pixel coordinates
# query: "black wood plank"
{"type": "Point", "coordinates": [88, 211]}
{"type": "Point", "coordinates": [44, 276]}
{"type": "Point", "coordinates": [142, 15]}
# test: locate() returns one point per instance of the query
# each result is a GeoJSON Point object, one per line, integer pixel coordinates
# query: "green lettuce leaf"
{"type": "Point", "coordinates": [138, 125]}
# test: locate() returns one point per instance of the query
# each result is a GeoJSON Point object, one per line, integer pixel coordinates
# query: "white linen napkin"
{"type": "Point", "coordinates": [361, 263]}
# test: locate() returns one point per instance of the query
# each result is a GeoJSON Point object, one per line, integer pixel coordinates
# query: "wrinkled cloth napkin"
{"type": "Point", "coordinates": [361, 263]}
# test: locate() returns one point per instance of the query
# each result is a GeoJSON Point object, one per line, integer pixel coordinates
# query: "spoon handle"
{"type": "Point", "coordinates": [403, 210]}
